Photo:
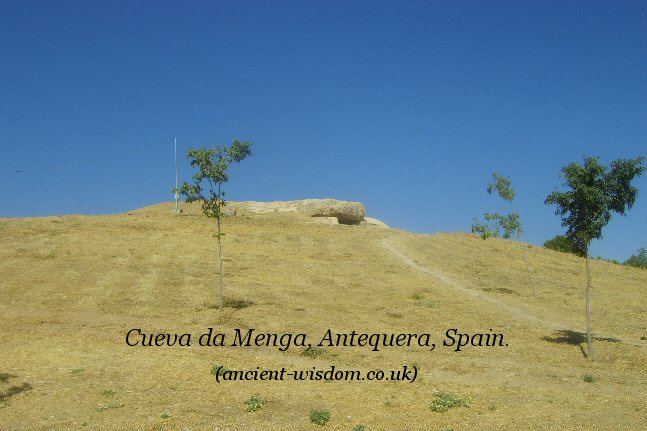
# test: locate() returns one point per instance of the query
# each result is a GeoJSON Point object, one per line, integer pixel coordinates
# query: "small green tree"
{"type": "Point", "coordinates": [511, 223]}
{"type": "Point", "coordinates": [564, 244]}
{"type": "Point", "coordinates": [586, 208]}
{"type": "Point", "coordinates": [638, 260]}
{"type": "Point", "coordinates": [213, 164]}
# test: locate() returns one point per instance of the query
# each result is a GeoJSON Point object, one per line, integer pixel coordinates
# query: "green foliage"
{"type": "Point", "coordinates": [586, 207]}
{"type": "Point", "coordinates": [594, 194]}
{"type": "Point", "coordinates": [219, 369]}
{"type": "Point", "coordinates": [166, 415]}
{"type": "Point", "coordinates": [639, 260]}
{"type": "Point", "coordinates": [485, 231]}
{"type": "Point", "coordinates": [607, 260]}
{"type": "Point", "coordinates": [319, 417]}
{"type": "Point", "coordinates": [212, 164]}
{"type": "Point", "coordinates": [108, 393]}
{"type": "Point", "coordinates": [510, 223]}
{"type": "Point", "coordinates": [420, 301]}
{"type": "Point", "coordinates": [444, 401]}
{"type": "Point", "coordinates": [255, 403]}
{"type": "Point", "coordinates": [503, 186]}
{"type": "Point", "coordinates": [313, 352]}
{"type": "Point", "coordinates": [359, 427]}
{"type": "Point", "coordinates": [564, 244]}
{"type": "Point", "coordinates": [588, 378]}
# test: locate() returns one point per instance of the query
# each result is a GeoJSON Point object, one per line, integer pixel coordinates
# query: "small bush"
{"type": "Point", "coordinates": [564, 244]}
{"type": "Point", "coordinates": [588, 378]}
{"type": "Point", "coordinates": [108, 393]}
{"type": "Point", "coordinates": [319, 417]}
{"type": "Point", "coordinates": [359, 427]}
{"type": "Point", "coordinates": [484, 231]}
{"type": "Point", "coordinates": [219, 369]}
{"type": "Point", "coordinates": [638, 261]}
{"type": "Point", "coordinates": [604, 259]}
{"type": "Point", "coordinates": [254, 403]}
{"type": "Point", "coordinates": [444, 401]}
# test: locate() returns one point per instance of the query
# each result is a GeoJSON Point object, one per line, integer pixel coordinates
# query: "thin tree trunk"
{"type": "Point", "coordinates": [588, 306]}
{"type": "Point", "coordinates": [220, 258]}
{"type": "Point", "coordinates": [523, 253]}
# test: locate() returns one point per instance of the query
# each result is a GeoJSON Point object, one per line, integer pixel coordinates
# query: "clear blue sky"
{"type": "Point", "coordinates": [405, 106]}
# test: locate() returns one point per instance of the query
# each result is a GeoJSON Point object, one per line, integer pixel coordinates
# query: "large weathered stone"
{"type": "Point", "coordinates": [346, 212]}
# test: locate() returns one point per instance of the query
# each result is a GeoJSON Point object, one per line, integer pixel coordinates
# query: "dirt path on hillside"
{"type": "Point", "coordinates": [480, 296]}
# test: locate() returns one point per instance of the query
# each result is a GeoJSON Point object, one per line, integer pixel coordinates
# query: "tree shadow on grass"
{"type": "Point", "coordinates": [575, 338]}
{"type": "Point", "coordinates": [236, 304]}
{"type": "Point", "coordinates": [4, 377]}
{"type": "Point", "coordinates": [13, 390]}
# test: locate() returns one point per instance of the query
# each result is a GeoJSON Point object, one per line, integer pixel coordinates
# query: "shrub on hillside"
{"type": "Point", "coordinates": [639, 261]}
{"type": "Point", "coordinates": [564, 244]}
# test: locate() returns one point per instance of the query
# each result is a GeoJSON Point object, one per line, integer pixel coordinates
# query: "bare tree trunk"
{"type": "Point", "coordinates": [523, 253]}
{"type": "Point", "coordinates": [220, 258]}
{"type": "Point", "coordinates": [588, 306]}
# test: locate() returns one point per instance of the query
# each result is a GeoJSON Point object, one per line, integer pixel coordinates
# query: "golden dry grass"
{"type": "Point", "coordinates": [72, 287]}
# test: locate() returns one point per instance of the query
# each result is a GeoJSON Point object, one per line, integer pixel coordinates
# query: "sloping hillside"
{"type": "Point", "coordinates": [73, 287]}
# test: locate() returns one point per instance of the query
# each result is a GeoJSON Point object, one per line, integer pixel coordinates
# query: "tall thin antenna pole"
{"type": "Point", "coordinates": [177, 192]}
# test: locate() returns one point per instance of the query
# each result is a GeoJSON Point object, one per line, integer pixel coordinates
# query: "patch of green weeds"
{"type": "Point", "coordinates": [166, 415]}
{"type": "Point", "coordinates": [108, 393]}
{"type": "Point", "coordinates": [419, 300]}
{"type": "Point", "coordinates": [359, 427]}
{"type": "Point", "coordinates": [313, 352]}
{"type": "Point", "coordinates": [219, 369]}
{"type": "Point", "coordinates": [255, 403]}
{"type": "Point", "coordinates": [319, 417]}
{"type": "Point", "coordinates": [417, 297]}
{"type": "Point", "coordinates": [588, 378]}
{"type": "Point", "coordinates": [78, 370]}
{"type": "Point", "coordinates": [444, 401]}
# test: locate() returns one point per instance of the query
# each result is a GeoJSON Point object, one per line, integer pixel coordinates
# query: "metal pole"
{"type": "Point", "coordinates": [177, 193]}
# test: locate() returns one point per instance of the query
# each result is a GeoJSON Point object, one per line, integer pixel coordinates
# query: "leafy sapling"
{"type": "Point", "coordinates": [593, 194]}
{"type": "Point", "coordinates": [213, 165]}
{"type": "Point", "coordinates": [510, 223]}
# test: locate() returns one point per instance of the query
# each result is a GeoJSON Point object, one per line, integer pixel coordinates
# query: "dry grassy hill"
{"type": "Point", "coordinates": [72, 287]}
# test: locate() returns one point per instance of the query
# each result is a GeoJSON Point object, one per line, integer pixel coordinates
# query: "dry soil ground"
{"type": "Point", "coordinates": [72, 287]}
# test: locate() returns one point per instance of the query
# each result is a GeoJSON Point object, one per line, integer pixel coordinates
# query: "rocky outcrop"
{"type": "Point", "coordinates": [346, 212]}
